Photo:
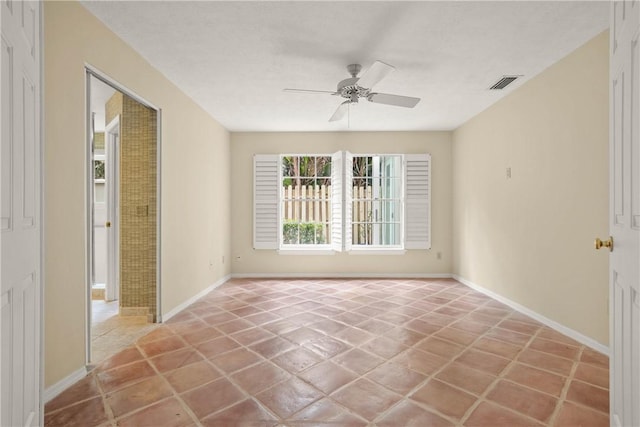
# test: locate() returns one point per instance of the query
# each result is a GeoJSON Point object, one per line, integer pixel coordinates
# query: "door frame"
{"type": "Point", "coordinates": [93, 72]}
{"type": "Point", "coordinates": [112, 196]}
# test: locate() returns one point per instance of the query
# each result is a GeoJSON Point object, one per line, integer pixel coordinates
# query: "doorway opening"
{"type": "Point", "coordinates": [122, 217]}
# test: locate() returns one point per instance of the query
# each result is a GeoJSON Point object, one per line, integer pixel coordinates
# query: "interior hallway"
{"type": "Point", "coordinates": [344, 352]}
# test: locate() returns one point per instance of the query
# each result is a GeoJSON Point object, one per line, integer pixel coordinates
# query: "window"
{"type": "Point", "coordinates": [342, 201]}
{"type": "Point", "coordinates": [376, 214]}
{"type": "Point", "coordinates": [305, 210]}
{"type": "Point", "coordinates": [98, 169]}
{"type": "Point", "coordinates": [99, 178]}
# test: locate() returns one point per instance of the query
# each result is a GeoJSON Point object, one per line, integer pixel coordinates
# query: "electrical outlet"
{"type": "Point", "coordinates": [439, 255]}
{"type": "Point", "coordinates": [223, 259]}
{"type": "Point", "coordinates": [508, 173]}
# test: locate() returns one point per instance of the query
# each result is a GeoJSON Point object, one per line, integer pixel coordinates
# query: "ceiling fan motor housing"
{"type": "Point", "coordinates": [348, 88]}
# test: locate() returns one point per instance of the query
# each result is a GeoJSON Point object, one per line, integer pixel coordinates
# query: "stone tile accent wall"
{"type": "Point", "coordinates": [138, 196]}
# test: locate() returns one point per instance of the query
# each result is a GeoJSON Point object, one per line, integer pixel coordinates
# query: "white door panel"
{"type": "Point", "coordinates": [20, 221]}
{"type": "Point", "coordinates": [7, 136]}
{"type": "Point", "coordinates": [624, 215]}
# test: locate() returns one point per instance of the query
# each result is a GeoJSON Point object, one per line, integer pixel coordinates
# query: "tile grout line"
{"type": "Point", "coordinates": [103, 395]}
{"type": "Point", "coordinates": [176, 395]}
{"type": "Point", "coordinates": [358, 375]}
{"type": "Point", "coordinates": [327, 395]}
{"type": "Point", "coordinates": [482, 397]}
{"type": "Point", "coordinates": [432, 376]}
{"type": "Point", "coordinates": [146, 358]}
{"type": "Point", "coordinates": [563, 394]}
{"type": "Point", "coordinates": [468, 346]}
{"type": "Point", "coordinates": [228, 376]}
{"type": "Point", "coordinates": [363, 375]}
{"type": "Point", "coordinates": [502, 377]}
{"type": "Point", "coordinates": [504, 371]}
{"type": "Point", "coordinates": [427, 377]}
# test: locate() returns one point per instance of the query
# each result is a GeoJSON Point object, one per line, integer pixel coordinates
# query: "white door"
{"type": "Point", "coordinates": [20, 220]}
{"type": "Point", "coordinates": [112, 141]}
{"type": "Point", "coordinates": [624, 214]}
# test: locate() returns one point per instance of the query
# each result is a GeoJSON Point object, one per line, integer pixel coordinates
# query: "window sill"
{"type": "Point", "coordinates": [304, 251]}
{"type": "Point", "coordinates": [376, 251]}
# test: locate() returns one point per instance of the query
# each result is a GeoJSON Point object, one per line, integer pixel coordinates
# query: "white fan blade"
{"type": "Point", "coordinates": [309, 91]}
{"type": "Point", "coordinates": [340, 112]}
{"type": "Point", "coordinates": [397, 100]}
{"type": "Point", "coordinates": [378, 71]}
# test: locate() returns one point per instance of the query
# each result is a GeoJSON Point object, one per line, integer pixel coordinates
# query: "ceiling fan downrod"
{"type": "Point", "coordinates": [354, 69]}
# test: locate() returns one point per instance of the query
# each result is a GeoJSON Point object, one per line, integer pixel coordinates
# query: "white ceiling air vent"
{"type": "Point", "coordinates": [503, 82]}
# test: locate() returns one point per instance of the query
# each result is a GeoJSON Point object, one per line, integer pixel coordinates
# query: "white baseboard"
{"type": "Point", "coordinates": [583, 339]}
{"type": "Point", "coordinates": [166, 316]}
{"type": "Point", "coordinates": [63, 384]}
{"type": "Point", "coordinates": [340, 276]}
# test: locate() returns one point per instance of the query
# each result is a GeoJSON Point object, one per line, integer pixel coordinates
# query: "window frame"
{"type": "Point", "coordinates": [303, 249]}
{"type": "Point", "coordinates": [379, 248]}
{"type": "Point", "coordinates": [416, 205]}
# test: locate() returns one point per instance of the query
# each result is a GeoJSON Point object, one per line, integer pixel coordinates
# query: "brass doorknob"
{"type": "Point", "coordinates": [108, 224]}
{"type": "Point", "coordinates": [607, 243]}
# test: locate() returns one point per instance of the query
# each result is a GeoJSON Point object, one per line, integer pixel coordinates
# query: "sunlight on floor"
{"type": "Point", "coordinates": [111, 333]}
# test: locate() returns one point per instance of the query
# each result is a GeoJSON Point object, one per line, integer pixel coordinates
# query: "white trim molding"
{"type": "Point", "coordinates": [341, 276]}
{"type": "Point", "coordinates": [583, 339]}
{"type": "Point", "coordinates": [355, 250]}
{"type": "Point", "coordinates": [63, 384]}
{"type": "Point", "coordinates": [193, 299]}
{"type": "Point", "coordinates": [300, 251]}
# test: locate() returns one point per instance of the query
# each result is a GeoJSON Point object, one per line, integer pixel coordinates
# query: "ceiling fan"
{"type": "Point", "coordinates": [356, 87]}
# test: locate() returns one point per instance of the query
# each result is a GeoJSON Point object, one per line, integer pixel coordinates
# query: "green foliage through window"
{"type": "Point", "coordinates": [305, 170]}
{"type": "Point", "coordinates": [305, 233]}
{"type": "Point", "coordinates": [98, 170]}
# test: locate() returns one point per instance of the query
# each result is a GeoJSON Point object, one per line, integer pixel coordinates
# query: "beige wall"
{"type": "Point", "coordinates": [530, 238]}
{"type": "Point", "coordinates": [246, 260]}
{"type": "Point", "coordinates": [194, 174]}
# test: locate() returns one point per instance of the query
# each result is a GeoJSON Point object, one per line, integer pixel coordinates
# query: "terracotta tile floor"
{"type": "Point", "coordinates": [343, 353]}
{"type": "Point", "coordinates": [111, 333]}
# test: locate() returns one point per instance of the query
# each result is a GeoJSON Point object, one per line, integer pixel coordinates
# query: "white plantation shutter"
{"type": "Point", "coordinates": [336, 201]}
{"type": "Point", "coordinates": [348, 200]}
{"type": "Point", "coordinates": [417, 201]}
{"type": "Point", "coordinates": [266, 201]}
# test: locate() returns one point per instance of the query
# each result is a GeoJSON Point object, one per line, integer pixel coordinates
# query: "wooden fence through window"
{"type": "Point", "coordinates": [312, 204]}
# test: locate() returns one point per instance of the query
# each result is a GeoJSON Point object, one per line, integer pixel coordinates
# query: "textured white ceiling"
{"type": "Point", "coordinates": [234, 58]}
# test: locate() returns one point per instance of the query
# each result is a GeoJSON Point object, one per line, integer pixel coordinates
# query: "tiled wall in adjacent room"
{"type": "Point", "coordinates": [138, 196]}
